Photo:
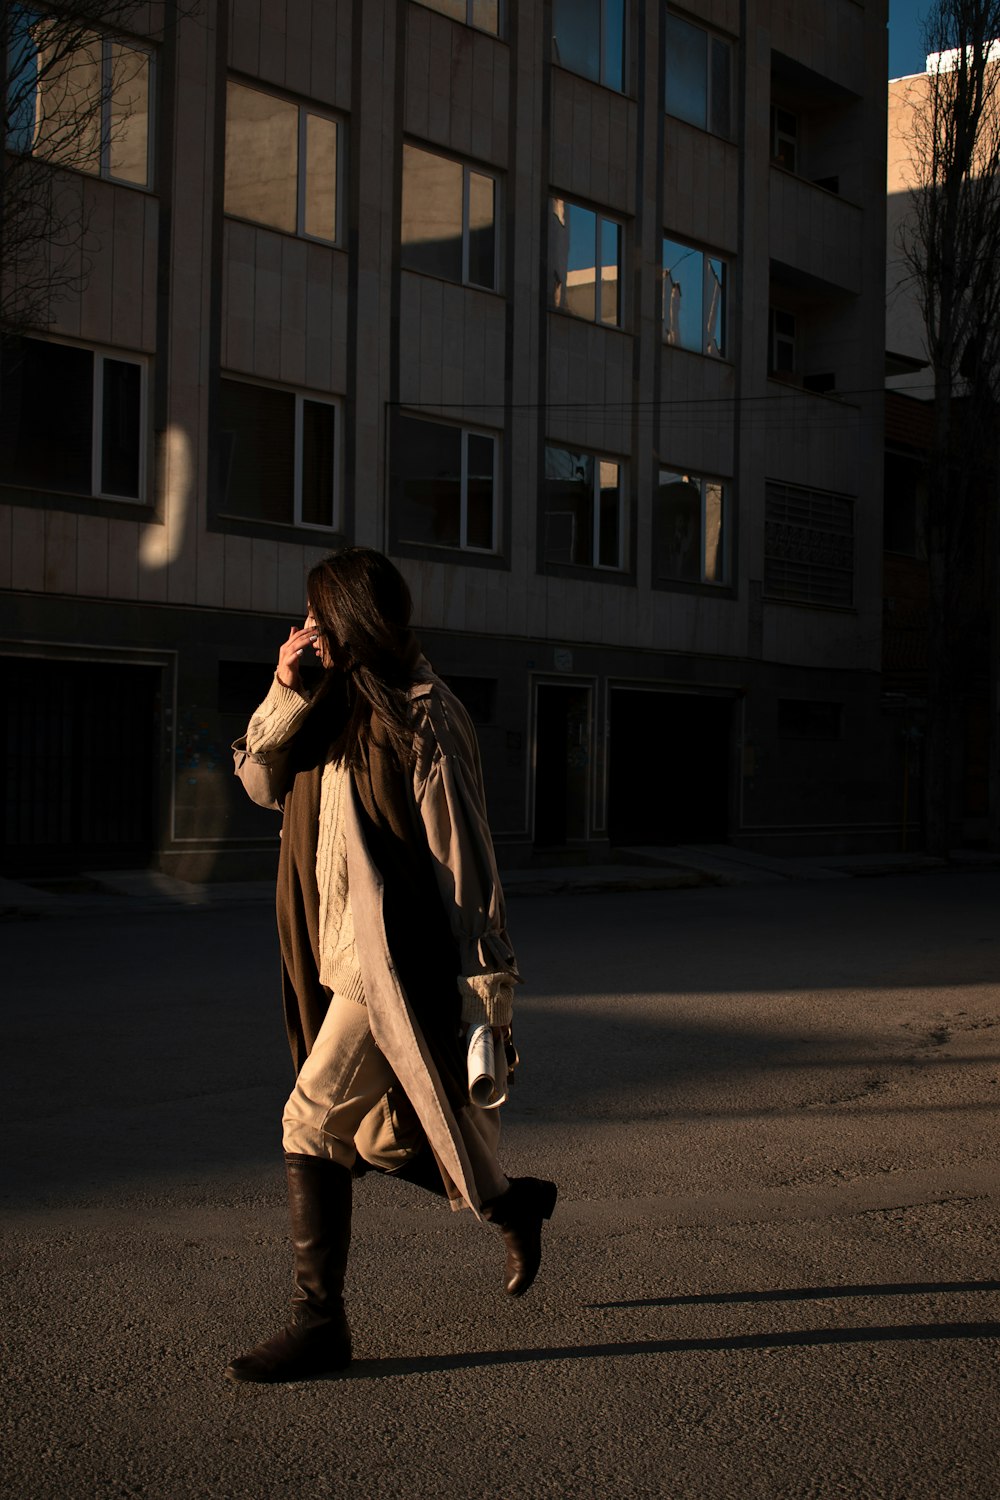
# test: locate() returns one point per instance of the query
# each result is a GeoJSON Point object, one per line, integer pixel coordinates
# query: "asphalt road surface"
{"type": "Point", "coordinates": [772, 1271]}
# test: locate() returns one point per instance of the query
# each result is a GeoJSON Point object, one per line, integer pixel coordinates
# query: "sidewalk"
{"type": "Point", "coordinates": [676, 867]}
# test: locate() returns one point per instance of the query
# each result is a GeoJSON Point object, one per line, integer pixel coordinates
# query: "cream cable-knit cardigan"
{"type": "Point", "coordinates": [448, 792]}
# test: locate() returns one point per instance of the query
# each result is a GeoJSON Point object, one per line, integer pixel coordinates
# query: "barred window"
{"type": "Point", "coordinates": [808, 545]}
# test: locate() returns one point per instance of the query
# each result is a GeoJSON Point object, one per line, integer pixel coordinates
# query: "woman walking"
{"type": "Point", "coordinates": [393, 943]}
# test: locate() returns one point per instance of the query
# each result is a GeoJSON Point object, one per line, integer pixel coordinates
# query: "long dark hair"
{"type": "Point", "coordinates": [361, 602]}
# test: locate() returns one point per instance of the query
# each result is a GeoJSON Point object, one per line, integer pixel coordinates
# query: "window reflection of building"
{"type": "Point", "coordinates": [281, 163]}
{"type": "Point", "coordinates": [585, 250]}
{"type": "Point", "coordinates": [448, 219]}
{"type": "Point", "coordinates": [277, 454]}
{"type": "Point", "coordinates": [588, 37]}
{"type": "Point", "coordinates": [484, 15]}
{"type": "Point", "coordinates": [444, 480]}
{"type": "Point", "coordinates": [87, 109]}
{"type": "Point", "coordinates": [698, 76]}
{"type": "Point", "coordinates": [694, 299]}
{"type": "Point", "coordinates": [583, 509]}
{"type": "Point", "coordinates": [690, 522]}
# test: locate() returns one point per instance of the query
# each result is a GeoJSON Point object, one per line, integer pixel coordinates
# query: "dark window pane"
{"type": "Point", "coordinates": [456, 9]}
{"type": "Point", "coordinates": [47, 416]}
{"type": "Point", "coordinates": [569, 506]}
{"type": "Point", "coordinates": [683, 289]}
{"type": "Point", "coordinates": [128, 147]}
{"type": "Point", "coordinates": [22, 79]}
{"type": "Point", "coordinates": [427, 470]}
{"type": "Point", "coordinates": [576, 40]}
{"type": "Point", "coordinates": [558, 249]}
{"type": "Point", "coordinates": [687, 71]}
{"type": "Point", "coordinates": [715, 305]}
{"type": "Point", "coordinates": [319, 212]}
{"type": "Point", "coordinates": [581, 266]}
{"type": "Point", "coordinates": [614, 44]}
{"type": "Point", "coordinates": [257, 426]}
{"type": "Point", "coordinates": [715, 568]}
{"type": "Point", "coordinates": [482, 230]}
{"type": "Point", "coordinates": [480, 460]}
{"type": "Point", "coordinates": [486, 15]}
{"type": "Point", "coordinates": [609, 515]}
{"type": "Point", "coordinates": [318, 419]}
{"type": "Point", "coordinates": [678, 528]}
{"type": "Point", "coordinates": [432, 214]}
{"type": "Point", "coordinates": [722, 91]}
{"type": "Point", "coordinates": [262, 155]}
{"type": "Point", "coordinates": [611, 263]}
{"type": "Point", "coordinates": [121, 436]}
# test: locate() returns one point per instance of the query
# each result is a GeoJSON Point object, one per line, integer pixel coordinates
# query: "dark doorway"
{"type": "Point", "coordinates": [668, 767]}
{"type": "Point", "coordinates": [562, 763]}
{"type": "Point", "coordinates": [79, 764]}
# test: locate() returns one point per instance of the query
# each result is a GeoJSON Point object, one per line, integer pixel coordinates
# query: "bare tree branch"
{"type": "Point", "coordinates": [76, 83]}
{"type": "Point", "coordinates": [951, 245]}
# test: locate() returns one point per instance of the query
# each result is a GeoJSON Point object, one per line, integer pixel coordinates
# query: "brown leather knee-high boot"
{"type": "Point", "coordinates": [317, 1339]}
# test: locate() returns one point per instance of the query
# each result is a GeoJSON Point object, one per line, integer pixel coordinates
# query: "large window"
{"type": "Point", "coordinates": [445, 485]}
{"type": "Point", "coordinates": [585, 258]}
{"type": "Point", "coordinates": [694, 299]}
{"type": "Point", "coordinates": [72, 419]}
{"type": "Point", "coordinates": [449, 219]}
{"type": "Point", "coordinates": [699, 76]}
{"type": "Point", "coordinates": [588, 37]}
{"type": "Point", "coordinates": [808, 545]}
{"type": "Point", "coordinates": [281, 164]}
{"type": "Point", "coordinates": [76, 98]}
{"type": "Point", "coordinates": [584, 512]}
{"type": "Point", "coordinates": [278, 452]}
{"type": "Point", "coordinates": [483, 14]}
{"type": "Point", "coordinates": [691, 529]}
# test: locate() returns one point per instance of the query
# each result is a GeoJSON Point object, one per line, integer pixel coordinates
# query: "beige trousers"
{"type": "Point", "coordinates": [342, 1105]}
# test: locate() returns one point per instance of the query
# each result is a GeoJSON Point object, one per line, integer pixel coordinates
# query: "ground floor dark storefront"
{"type": "Point", "coordinates": [118, 720]}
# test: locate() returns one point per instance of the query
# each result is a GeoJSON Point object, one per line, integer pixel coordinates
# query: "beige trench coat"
{"type": "Point", "coordinates": [448, 793]}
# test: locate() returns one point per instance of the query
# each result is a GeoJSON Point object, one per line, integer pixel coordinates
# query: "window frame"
{"type": "Point", "coordinates": [97, 439]}
{"type": "Point", "coordinates": [470, 6]}
{"type": "Point", "coordinates": [600, 218]}
{"type": "Point", "coordinates": [622, 568]}
{"type": "Point", "coordinates": [723, 352]}
{"type": "Point", "coordinates": [446, 549]}
{"type": "Point", "coordinates": [301, 396]}
{"type": "Point", "coordinates": [102, 170]}
{"type": "Point", "coordinates": [602, 80]}
{"type": "Point", "coordinates": [468, 168]}
{"type": "Point", "coordinates": [304, 110]}
{"type": "Point", "coordinates": [725, 584]}
{"type": "Point", "coordinates": [99, 354]}
{"type": "Point", "coordinates": [711, 36]}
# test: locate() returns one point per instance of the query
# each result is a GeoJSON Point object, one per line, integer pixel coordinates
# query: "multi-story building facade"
{"type": "Point", "coordinates": [576, 310]}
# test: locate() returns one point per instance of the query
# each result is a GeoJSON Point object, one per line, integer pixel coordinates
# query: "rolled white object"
{"type": "Point", "coordinates": [482, 1067]}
